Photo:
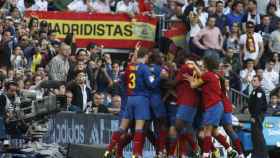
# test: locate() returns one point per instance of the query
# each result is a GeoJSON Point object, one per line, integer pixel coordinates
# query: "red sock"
{"type": "Point", "coordinates": [222, 140]}
{"type": "Point", "coordinates": [238, 146]}
{"type": "Point", "coordinates": [138, 141]}
{"type": "Point", "coordinates": [183, 145]}
{"type": "Point", "coordinates": [162, 140]}
{"type": "Point", "coordinates": [114, 140]}
{"type": "Point", "coordinates": [207, 144]}
{"type": "Point", "coordinates": [172, 143]}
{"type": "Point", "coordinates": [124, 141]}
{"type": "Point", "coordinates": [190, 138]}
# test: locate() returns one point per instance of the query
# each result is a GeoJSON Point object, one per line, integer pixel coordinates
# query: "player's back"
{"type": "Point", "coordinates": [138, 80]}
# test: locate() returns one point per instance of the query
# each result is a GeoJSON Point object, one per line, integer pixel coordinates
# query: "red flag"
{"type": "Point", "coordinates": [144, 6]}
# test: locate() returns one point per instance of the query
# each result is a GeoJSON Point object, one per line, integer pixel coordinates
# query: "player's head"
{"type": "Point", "coordinates": [142, 55]}
{"type": "Point", "coordinates": [155, 58]}
{"type": "Point", "coordinates": [210, 63]}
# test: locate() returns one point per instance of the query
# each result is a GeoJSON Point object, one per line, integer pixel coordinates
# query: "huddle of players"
{"type": "Point", "coordinates": [173, 110]}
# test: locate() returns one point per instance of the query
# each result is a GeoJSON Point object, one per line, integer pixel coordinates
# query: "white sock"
{"type": "Point", "coordinates": [229, 149]}
{"type": "Point", "coordinates": [205, 154]}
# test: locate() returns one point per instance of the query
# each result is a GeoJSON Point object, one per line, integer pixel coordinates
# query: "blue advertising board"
{"type": "Point", "coordinates": [79, 128]}
{"type": "Point", "coordinates": [271, 130]}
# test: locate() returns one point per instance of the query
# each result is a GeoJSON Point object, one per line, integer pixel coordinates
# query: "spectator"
{"type": "Point", "coordinates": [274, 42]}
{"type": "Point", "coordinates": [232, 40]}
{"type": "Point", "coordinates": [70, 106]}
{"type": "Point", "coordinates": [251, 15]}
{"type": "Point", "coordinates": [262, 6]}
{"type": "Point", "coordinates": [265, 28]}
{"type": "Point", "coordinates": [98, 106]}
{"type": "Point", "coordinates": [101, 75]}
{"type": "Point", "coordinates": [6, 47]}
{"type": "Point", "coordinates": [251, 44]}
{"type": "Point", "coordinates": [81, 93]}
{"type": "Point", "coordinates": [235, 16]}
{"type": "Point", "coordinates": [201, 14]}
{"type": "Point", "coordinates": [81, 6]}
{"type": "Point", "coordinates": [274, 107]}
{"type": "Point", "coordinates": [246, 76]}
{"type": "Point", "coordinates": [116, 104]}
{"type": "Point", "coordinates": [271, 12]}
{"type": "Point", "coordinates": [210, 40]}
{"type": "Point", "coordinates": [194, 25]}
{"type": "Point", "coordinates": [270, 77]}
{"type": "Point", "coordinates": [101, 6]}
{"type": "Point", "coordinates": [116, 78]}
{"type": "Point", "coordinates": [220, 16]}
{"type": "Point", "coordinates": [58, 67]}
{"type": "Point", "coordinates": [18, 59]}
{"type": "Point", "coordinates": [276, 67]}
{"type": "Point", "coordinates": [232, 60]}
{"type": "Point", "coordinates": [127, 6]}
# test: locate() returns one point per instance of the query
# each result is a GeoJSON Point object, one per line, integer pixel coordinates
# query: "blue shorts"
{"type": "Point", "coordinates": [158, 109]}
{"type": "Point", "coordinates": [171, 113]}
{"type": "Point", "coordinates": [213, 115]}
{"type": "Point", "coordinates": [137, 108]}
{"type": "Point", "coordinates": [226, 118]}
{"type": "Point", "coordinates": [186, 113]}
{"type": "Point", "coordinates": [123, 114]}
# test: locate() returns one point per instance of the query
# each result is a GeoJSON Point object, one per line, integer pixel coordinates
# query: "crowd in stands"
{"type": "Point", "coordinates": [243, 35]}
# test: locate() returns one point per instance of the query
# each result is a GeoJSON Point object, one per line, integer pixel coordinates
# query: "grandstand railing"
{"type": "Point", "coordinates": [238, 99]}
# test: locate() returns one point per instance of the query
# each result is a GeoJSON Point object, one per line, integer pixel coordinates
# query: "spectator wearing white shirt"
{"type": "Point", "coordinates": [80, 6]}
{"type": "Point", "coordinates": [246, 76]}
{"type": "Point", "coordinates": [270, 78]}
{"type": "Point", "coordinates": [274, 41]}
{"type": "Point", "coordinates": [251, 44]}
{"type": "Point", "coordinates": [101, 6]}
{"type": "Point", "coordinates": [127, 6]}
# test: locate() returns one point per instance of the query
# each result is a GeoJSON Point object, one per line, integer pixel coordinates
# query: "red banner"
{"type": "Point", "coordinates": [110, 30]}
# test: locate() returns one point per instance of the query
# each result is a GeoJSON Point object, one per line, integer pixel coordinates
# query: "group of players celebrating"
{"type": "Point", "coordinates": [186, 107]}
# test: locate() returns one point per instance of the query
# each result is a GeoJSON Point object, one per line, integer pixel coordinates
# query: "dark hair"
{"type": "Point", "coordinates": [250, 23]}
{"type": "Point", "coordinates": [264, 16]}
{"type": "Point", "coordinates": [269, 6]}
{"type": "Point", "coordinates": [116, 62]}
{"type": "Point", "coordinates": [235, 4]}
{"type": "Point", "coordinates": [69, 38]}
{"type": "Point", "coordinates": [10, 83]}
{"type": "Point", "coordinates": [91, 46]}
{"type": "Point", "coordinates": [219, 2]}
{"type": "Point", "coordinates": [32, 21]}
{"type": "Point", "coordinates": [77, 72]}
{"type": "Point", "coordinates": [155, 58]}
{"type": "Point", "coordinates": [79, 51]}
{"type": "Point", "coordinates": [257, 76]}
{"type": "Point", "coordinates": [253, 1]}
{"type": "Point", "coordinates": [211, 63]}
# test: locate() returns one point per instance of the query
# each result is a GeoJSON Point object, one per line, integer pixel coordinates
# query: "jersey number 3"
{"type": "Point", "coordinates": [132, 81]}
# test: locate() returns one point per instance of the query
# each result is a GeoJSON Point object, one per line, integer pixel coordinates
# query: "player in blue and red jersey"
{"type": "Point", "coordinates": [138, 82]}
{"type": "Point", "coordinates": [212, 103]}
{"type": "Point", "coordinates": [187, 99]}
{"type": "Point", "coordinates": [158, 109]}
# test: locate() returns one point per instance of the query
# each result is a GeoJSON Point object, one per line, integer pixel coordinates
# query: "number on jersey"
{"type": "Point", "coordinates": [132, 81]}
